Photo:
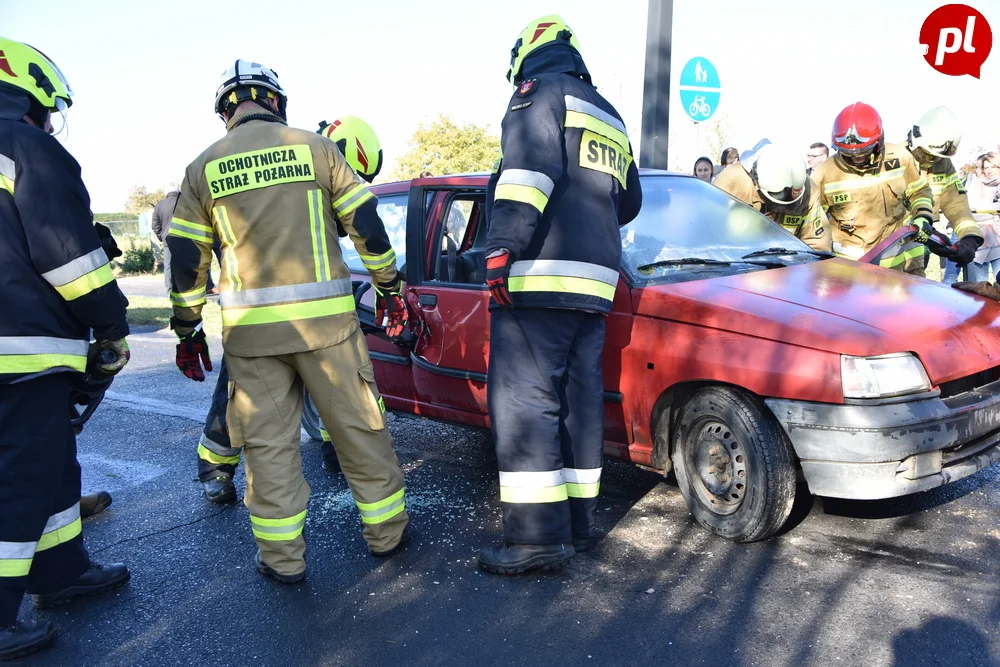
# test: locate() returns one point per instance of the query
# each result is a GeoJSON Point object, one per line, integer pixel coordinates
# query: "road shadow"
{"type": "Point", "coordinates": [942, 640]}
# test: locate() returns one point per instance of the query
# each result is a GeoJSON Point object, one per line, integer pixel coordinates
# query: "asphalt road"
{"type": "Point", "coordinates": [903, 582]}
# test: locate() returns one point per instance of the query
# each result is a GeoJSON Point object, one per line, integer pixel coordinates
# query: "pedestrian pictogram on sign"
{"type": "Point", "coordinates": [700, 89]}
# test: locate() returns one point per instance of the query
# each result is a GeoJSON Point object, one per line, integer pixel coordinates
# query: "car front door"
{"type": "Point", "coordinates": [448, 295]}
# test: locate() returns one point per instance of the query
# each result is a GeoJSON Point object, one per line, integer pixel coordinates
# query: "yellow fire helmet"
{"type": "Point", "coordinates": [357, 141]}
{"type": "Point", "coordinates": [25, 68]}
{"type": "Point", "coordinates": [540, 33]}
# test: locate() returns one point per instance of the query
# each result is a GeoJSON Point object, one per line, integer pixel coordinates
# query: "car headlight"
{"type": "Point", "coordinates": [883, 376]}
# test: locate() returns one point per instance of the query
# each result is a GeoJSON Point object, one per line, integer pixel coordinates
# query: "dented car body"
{"type": "Point", "coordinates": [735, 355]}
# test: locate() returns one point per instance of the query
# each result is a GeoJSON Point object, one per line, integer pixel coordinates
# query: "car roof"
{"type": "Point", "coordinates": [479, 177]}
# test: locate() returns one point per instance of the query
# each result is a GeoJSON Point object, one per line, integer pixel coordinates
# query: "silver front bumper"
{"type": "Point", "coordinates": [870, 451]}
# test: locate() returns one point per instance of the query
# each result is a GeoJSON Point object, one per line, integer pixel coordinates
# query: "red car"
{"type": "Point", "coordinates": [735, 355]}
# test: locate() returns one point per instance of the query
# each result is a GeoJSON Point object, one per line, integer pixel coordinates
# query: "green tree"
{"type": "Point", "coordinates": [718, 138]}
{"type": "Point", "coordinates": [442, 147]}
{"type": "Point", "coordinates": [140, 199]}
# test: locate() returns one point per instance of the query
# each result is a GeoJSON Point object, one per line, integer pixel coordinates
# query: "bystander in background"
{"type": "Point", "coordinates": [703, 169]}
{"type": "Point", "coordinates": [816, 155]}
{"type": "Point", "coordinates": [983, 187]}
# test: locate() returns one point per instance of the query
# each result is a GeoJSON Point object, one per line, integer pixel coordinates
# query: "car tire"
{"type": "Point", "coordinates": [734, 465]}
{"type": "Point", "coordinates": [311, 421]}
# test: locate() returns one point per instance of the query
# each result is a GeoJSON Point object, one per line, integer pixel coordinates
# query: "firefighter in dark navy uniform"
{"type": "Point", "coordinates": [56, 286]}
{"type": "Point", "coordinates": [564, 185]}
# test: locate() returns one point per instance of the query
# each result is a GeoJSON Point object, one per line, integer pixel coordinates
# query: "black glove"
{"type": "Point", "coordinates": [985, 289]}
{"type": "Point", "coordinates": [107, 241]}
{"type": "Point", "coordinates": [965, 250]}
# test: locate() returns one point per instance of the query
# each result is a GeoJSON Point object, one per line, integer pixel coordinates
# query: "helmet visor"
{"type": "Point", "coordinates": [785, 197]}
{"type": "Point", "coordinates": [859, 157]}
{"type": "Point", "coordinates": [947, 149]}
{"type": "Point", "coordinates": [58, 120]}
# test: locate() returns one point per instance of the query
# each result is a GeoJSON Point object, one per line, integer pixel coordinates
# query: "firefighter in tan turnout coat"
{"type": "Point", "coordinates": [275, 195]}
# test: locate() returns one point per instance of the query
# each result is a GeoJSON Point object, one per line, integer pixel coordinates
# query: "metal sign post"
{"type": "Point", "coordinates": [656, 87]}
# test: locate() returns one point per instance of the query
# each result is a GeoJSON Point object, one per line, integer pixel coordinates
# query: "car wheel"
{"type": "Point", "coordinates": [734, 464]}
{"type": "Point", "coordinates": [310, 416]}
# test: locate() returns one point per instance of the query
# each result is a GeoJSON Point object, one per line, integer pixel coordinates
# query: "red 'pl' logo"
{"type": "Point", "coordinates": [956, 40]}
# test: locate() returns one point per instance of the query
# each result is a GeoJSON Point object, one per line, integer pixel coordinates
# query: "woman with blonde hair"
{"type": "Point", "coordinates": [983, 187]}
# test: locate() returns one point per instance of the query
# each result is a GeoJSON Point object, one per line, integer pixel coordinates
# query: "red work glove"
{"type": "Point", "coordinates": [192, 352]}
{"type": "Point", "coordinates": [389, 300]}
{"type": "Point", "coordinates": [497, 272]}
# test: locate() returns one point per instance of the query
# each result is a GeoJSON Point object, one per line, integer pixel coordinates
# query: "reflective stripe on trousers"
{"type": "Point", "coordinates": [549, 486]}
{"type": "Point", "coordinates": [16, 557]}
{"type": "Point", "coordinates": [61, 527]}
{"type": "Point", "coordinates": [213, 452]}
{"type": "Point", "coordinates": [383, 510]}
{"type": "Point", "coordinates": [278, 529]}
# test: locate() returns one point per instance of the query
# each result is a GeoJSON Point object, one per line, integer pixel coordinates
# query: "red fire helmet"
{"type": "Point", "coordinates": [857, 133]}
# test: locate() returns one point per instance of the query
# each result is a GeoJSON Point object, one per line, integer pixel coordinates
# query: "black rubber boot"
{"type": "Point", "coordinates": [582, 544]}
{"type": "Point", "coordinates": [94, 503]}
{"type": "Point", "coordinates": [519, 558]}
{"type": "Point", "coordinates": [268, 571]}
{"type": "Point", "coordinates": [98, 579]}
{"type": "Point", "coordinates": [219, 490]}
{"type": "Point", "coordinates": [22, 639]}
{"type": "Point", "coordinates": [331, 463]}
{"type": "Point", "coordinates": [403, 539]}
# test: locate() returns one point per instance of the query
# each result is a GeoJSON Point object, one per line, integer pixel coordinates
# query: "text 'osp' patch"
{"type": "Point", "coordinates": [602, 154]}
{"type": "Point", "coordinates": [259, 169]}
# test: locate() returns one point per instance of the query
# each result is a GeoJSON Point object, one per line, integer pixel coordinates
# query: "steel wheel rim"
{"type": "Point", "coordinates": [718, 466]}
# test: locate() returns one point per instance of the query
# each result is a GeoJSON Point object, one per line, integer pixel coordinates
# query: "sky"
{"type": "Point", "coordinates": [145, 74]}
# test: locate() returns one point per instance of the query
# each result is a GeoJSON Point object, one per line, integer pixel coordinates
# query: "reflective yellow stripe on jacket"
{"type": "Point", "coordinates": [33, 354]}
{"type": "Point", "coordinates": [81, 275]}
{"type": "Point", "coordinates": [523, 185]}
{"type": "Point", "coordinates": [286, 303]}
{"type": "Point", "coordinates": [915, 187]}
{"type": "Point", "coordinates": [228, 247]}
{"type": "Point", "coordinates": [191, 230]}
{"type": "Point", "coordinates": [563, 276]}
{"type": "Point", "coordinates": [7, 172]}
{"type": "Point", "coordinates": [354, 198]}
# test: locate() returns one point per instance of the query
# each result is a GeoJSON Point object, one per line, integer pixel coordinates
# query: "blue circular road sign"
{"type": "Point", "coordinates": [700, 89]}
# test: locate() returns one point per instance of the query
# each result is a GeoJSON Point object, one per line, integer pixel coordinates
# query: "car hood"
{"type": "Point", "coordinates": [841, 306]}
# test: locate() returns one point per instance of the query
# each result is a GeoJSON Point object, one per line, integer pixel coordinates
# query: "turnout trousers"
{"type": "Point", "coordinates": [546, 404]}
{"type": "Point", "coordinates": [216, 455]}
{"type": "Point", "coordinates": [265, 406]}
{"type": "Point", "coordinates": [41, 546]}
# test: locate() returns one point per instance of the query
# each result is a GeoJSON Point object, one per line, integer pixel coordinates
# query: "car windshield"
{"type": "Point", "coordinates": [392, 210]}
{"type": "Point", "coordinates": [688, 230]}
